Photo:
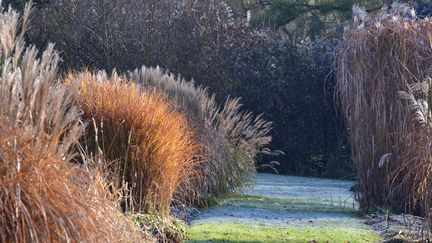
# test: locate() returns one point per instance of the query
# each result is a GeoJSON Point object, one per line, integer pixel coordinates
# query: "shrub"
{"type": "Point", "coordinates": [151, 144]}
{"type": "Point", "coordinates": [232, 138]}
{"type": "Point", "coordinates": [378, 58]}
{"type": "Point", "coordinates": [44, 197]}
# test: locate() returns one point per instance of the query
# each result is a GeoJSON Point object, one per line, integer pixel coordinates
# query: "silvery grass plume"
{"type": "Point", "coordinates": [419, 98]}
{"type": "Point", "coordinates": [402, 10]}
{"type": "Point", "coordinates": [359, 16]}
{"type": "Point", "coordinates": [189, 98]}
{"type": "Point", "coordinates": [29, 95]}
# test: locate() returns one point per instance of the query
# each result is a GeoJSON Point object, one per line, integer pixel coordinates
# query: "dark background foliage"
{"type": "Point", "coordinates": [279, 60]}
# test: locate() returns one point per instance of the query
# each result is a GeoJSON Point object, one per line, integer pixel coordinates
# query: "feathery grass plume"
{"type": "Point", "coordinates": [245, 131]}
{"type": "Point", "coordinates": [151, 145]}
{"type": "Point", "coordinates": [44, 197]}
{"type": "Point", "coordinates": [373, 63]}
{"type": "Point", "coordinates": [232, 138]}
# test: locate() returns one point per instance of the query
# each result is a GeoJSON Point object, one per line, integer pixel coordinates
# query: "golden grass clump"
{"type": "Point", "coordinates": [378, 57]}
{"type": "Point", "coordinates": [231, 137]}
{"type": "Point", "coordinates": [44, 197]}
{"type": "Point", "coordinates": [151, 145]}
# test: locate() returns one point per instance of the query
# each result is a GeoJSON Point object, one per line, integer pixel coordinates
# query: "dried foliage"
{"type": "Point", "coordinates": [151, 145]}
{"type": "Point", "coordinates": [416, 169]}
{"type": "Point", "coordinates": [44, 197]}
{"type": "Point", "coordinates": [379, 57]}
{"type": "Point", "coordinates": [232, 137]}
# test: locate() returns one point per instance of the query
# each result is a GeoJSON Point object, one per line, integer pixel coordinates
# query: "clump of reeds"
{"type": "Point", "coordinates": [416, 170]}
{"type": "Point", "coordinates": [378, 57]}
{"type": "Point", "coordinates": [44, 197]}
{"type": "Point", "coordinates": [151, 145]}
{"type": "Point", "coordinates": [232, 138]}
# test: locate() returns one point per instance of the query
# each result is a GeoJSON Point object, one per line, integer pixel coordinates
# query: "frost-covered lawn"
{"type": "Point", "coordinates": [285, 209]}
{"type": "Point", "coordinates": [335, 193]}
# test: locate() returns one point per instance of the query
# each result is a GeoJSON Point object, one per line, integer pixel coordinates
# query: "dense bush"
{"type": "Point", "coordinates": [286, 79]}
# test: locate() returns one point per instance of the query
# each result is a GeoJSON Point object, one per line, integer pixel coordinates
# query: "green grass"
{"type": "Point", "coordinates": [294, 204]}
{"type": "Point", "coordinates": [235, 231]}
{"type": "Point", "coordinates": [241, 232]}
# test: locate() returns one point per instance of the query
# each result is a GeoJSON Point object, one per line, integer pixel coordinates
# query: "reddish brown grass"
{"type": "Point", "coordinates": [151, 144]}
{"type": "Point", "coordinates": [44, 198]}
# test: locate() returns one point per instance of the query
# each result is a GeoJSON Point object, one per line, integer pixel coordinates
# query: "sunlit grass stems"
{"type": "Point", "coordinates": [378, 57]}
{"type": "Point", "coordinates": [150, 144]}
{"type": "Point", "coordinates": [44, 197]}
{"type": "Point", "coordinates": [232, 137]}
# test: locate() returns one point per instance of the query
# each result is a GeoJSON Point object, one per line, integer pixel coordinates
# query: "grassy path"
{"type": "Point", "coordinates": [285, 209]}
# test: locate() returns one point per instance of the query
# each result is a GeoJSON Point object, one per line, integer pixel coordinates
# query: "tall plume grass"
{"type": "Point", "coordinates": [44, 197]}
{"type": "Point", "coordinates": [378, 57]}
{"type": "Point", "coordinates": [416, 169]}
{"type": "Point", "coordinates": [151, 145]}
{"type": "Point", "coordinates": [232, 137]}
